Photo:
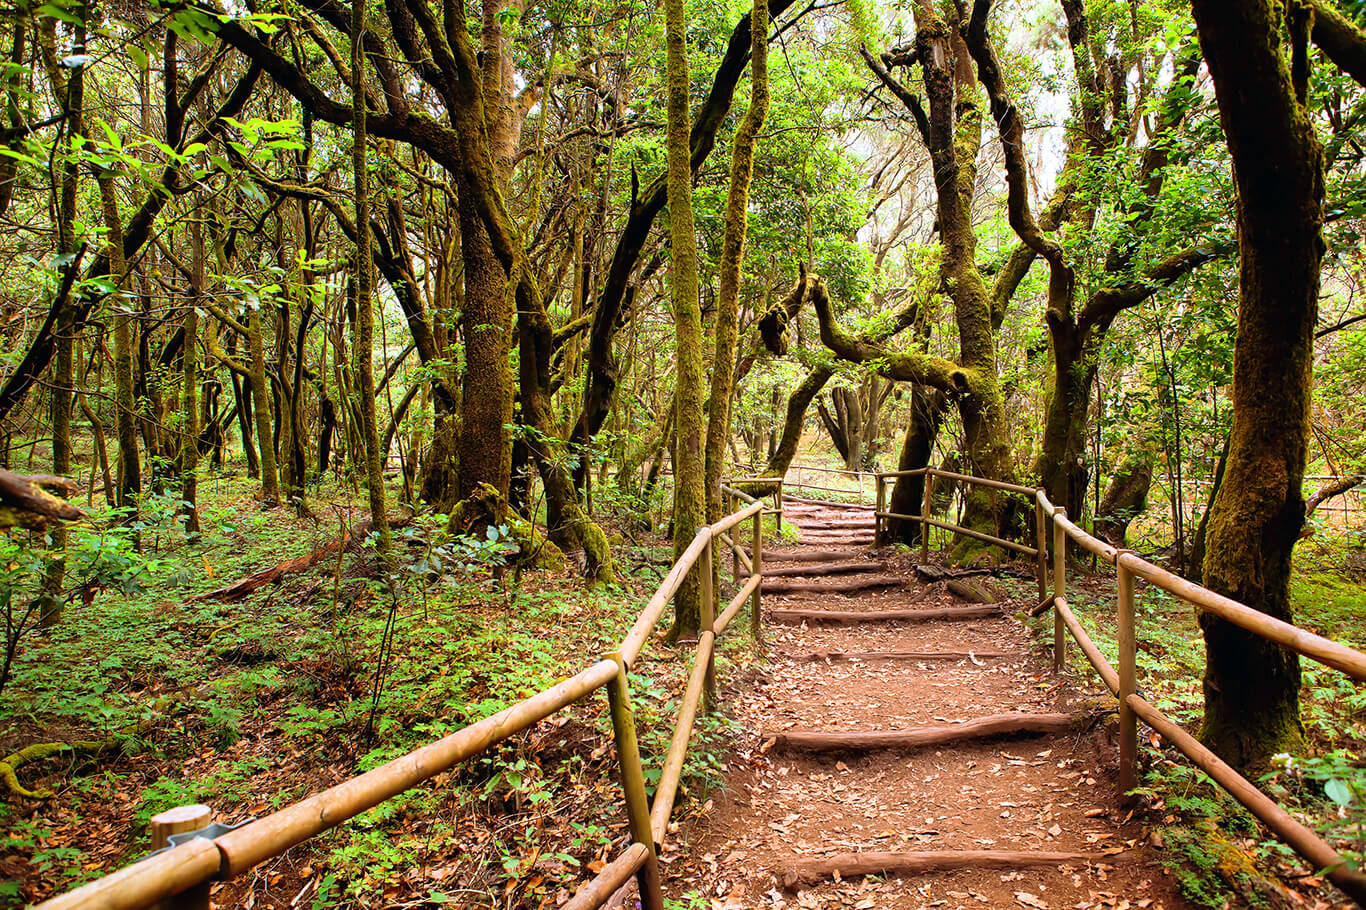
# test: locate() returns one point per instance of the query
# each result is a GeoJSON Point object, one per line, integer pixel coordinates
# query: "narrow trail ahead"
{"type": "Point", "coordinates": [1026, 818]}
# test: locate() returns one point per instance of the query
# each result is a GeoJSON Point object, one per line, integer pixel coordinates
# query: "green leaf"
{"type": "Point", "coordinates": [138, 56]}
{"type": "Point", "coordinates": [1338, 792]}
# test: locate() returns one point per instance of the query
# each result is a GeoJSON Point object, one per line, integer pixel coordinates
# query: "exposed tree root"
{"type": "Point", "coordinates": [25, 500]}
{"type": "Point", "coordinates": [974, 592]}
{"type": "Point", "coordinates": [39, 751]}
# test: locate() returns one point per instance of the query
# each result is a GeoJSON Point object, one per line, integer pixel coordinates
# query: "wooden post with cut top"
{"type": "Point", "coordinates": [180, 820]}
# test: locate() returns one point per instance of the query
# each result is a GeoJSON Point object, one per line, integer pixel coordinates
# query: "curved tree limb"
{"type": "Point", "coordinates": [1340, 39]}
{"type": "Point", "coordinates": [925, 369]}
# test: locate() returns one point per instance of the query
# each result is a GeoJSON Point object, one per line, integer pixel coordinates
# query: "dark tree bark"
{"type": "Point", "coordinates": [1252, 686]}
{"type": "Point", "coordinates": [908, 493]}
{"type": "Point", "coordinates": [1125, 497]}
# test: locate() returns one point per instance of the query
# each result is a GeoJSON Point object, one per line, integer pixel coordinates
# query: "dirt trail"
{"type": "Point", "coordinates": [1037, 794]}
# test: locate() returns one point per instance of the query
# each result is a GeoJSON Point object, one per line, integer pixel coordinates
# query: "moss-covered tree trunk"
{"type": "Point", "coordinates": [1252, 686]}
{"type": "Point", "coordinates": [484, 447]}
{"type": "Point", "coordinates": [130, 468]}
{"type": "Point", "coordinates": [794, 417]}
{"type": "Point", "coordinates": [189, 390]}
{"type": "Point", "coordinates": [690, 508]}
{"type": "Point", "coordinates": [1126, 496]}
{"type": "Point", "coordinates": [260, 406]}
{"type": "Point", "coordinates": [726, 324]}
{"type": "Point", "coordinates": [64, 371]}
{"type": "Point", "coordinates": [364, 351]}
{"type": "Point", "coordinates": [953, 134]}
{"type": "Point", "coordinates": [908, 493]}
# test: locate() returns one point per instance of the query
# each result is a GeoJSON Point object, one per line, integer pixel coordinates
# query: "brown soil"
{"type": "Point", "coordinates": [1046, 793]}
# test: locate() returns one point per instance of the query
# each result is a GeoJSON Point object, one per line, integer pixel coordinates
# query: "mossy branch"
{"type": "Point", "coordinates": [39, 751]}
{"type": "Point", "coordinates": [905, 367]}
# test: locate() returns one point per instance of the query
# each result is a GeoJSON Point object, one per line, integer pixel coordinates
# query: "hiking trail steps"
{"type": "Point", "coordinates": [970, 773]}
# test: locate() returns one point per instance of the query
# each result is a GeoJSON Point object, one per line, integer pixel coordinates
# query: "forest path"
{"type": "Point", "coordinates": [785, 808]}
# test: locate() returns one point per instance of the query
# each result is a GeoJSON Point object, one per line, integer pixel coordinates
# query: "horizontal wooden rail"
{"type": "Point", "coordinates": [1287, 635]}
{"type": "Point", "coordinates": [170, 873]}
{"type": "Point", "coordinates": [1091, 544]}
{"type": "Point", "coordinates": [737, 602]}
{"type": "Point", "coordinates": [796, 485]}
{"type": "Point", "coordinates": [1088, 647]}
{"type": "Point", "coordinates": [1133, 707]}
{"type": "Point", "coordinates": [649, 617]}
{"type": "Point", "coordinates": [978, 535]}
{"type": "Point", "coordinates": [277, 832]}
{"type": "Point", "coordinates": [982, 482]}
{"type": "Point", "coordinates": [672, 772]}
{"type": "Point", "coordinates": [601, 887]}
{"type": "Point", "coordinates": [148, 882]}
{"type": "Point", "coordinates": [1122, 682]}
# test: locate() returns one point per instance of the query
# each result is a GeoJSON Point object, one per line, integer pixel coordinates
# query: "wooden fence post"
{"type": "Point", "coordinates": [1041, 541]}
{"type": "Point", "coordinates": [877, 515]}
{"type": "Point", "coordinates": [756, 570]}
{"type": "Point", "coordinates": [1128, 679]}
{"type": "Point", "coordinates": [178, 821]}
{"type": "Point", "coordinates": [1059, 589]}
{"type": "Point", "coordinates": [633, 785]}
{"type": "Point", "coordinates": [734, 541]}
{"type": "Point", "coordinates": [925, 493]}
{"type": "Point", "coordinates": [704, 569]}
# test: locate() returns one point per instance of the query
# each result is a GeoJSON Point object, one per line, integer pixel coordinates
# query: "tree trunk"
{"type": "Point", "coordinates": [130, 468]}
{"type": "Point", "coordinates": [1126, 496]}
{"type": "Point", "coordinates": [797, 403]}
{"type": "Point", "coordinates": [908, 493]}
{"type": "Point", "coordinates": [690, 507]}
{"type": "Point", "coordinates": [189, 391]}
{"type": "Point", "coordinates": [364, 349]}
{"type": "Point", "coordinates": [484, 448]}
{"type": "Point", "coordinates": [64, 378]}
{"type": "Point", "coordinates": [732, 254]}
{"type": "Point", "coordinates": [260, 392]}
{"type": "Point", "coordinates": [1252, 686]}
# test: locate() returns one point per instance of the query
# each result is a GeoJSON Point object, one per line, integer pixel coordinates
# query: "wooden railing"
{"type": "Point", "coordinates": [798, 478]}
{"type": "Point", "coordinates": [179, 876]}
{"type": "Point", "coordinates": [1123, 682]}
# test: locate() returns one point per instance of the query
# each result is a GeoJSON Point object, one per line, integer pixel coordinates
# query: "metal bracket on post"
{"type": "Point", "coordinates": [208, 832]}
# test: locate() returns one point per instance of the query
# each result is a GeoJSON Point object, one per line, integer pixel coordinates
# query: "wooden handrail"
{"type": "Point", "coordinates": [166, 874]}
